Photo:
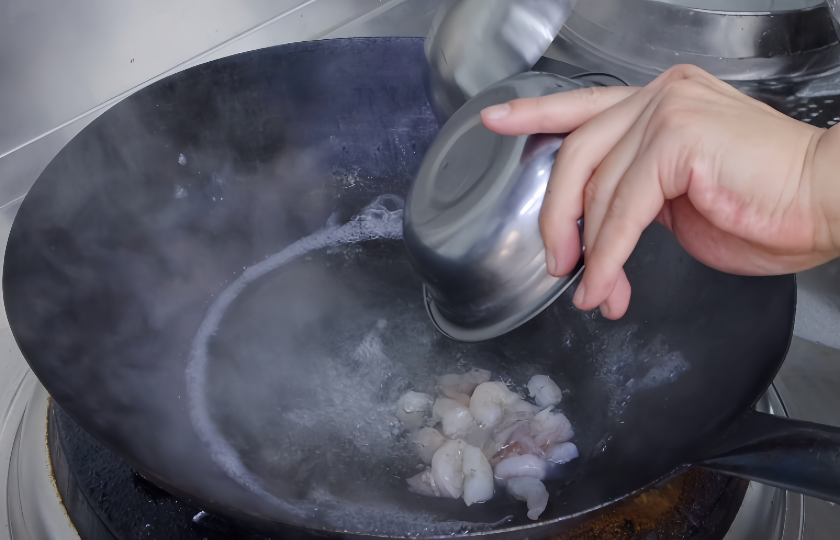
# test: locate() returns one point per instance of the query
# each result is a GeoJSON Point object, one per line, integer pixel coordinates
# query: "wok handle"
{"type": "Point", "coordinates": [802, 457]}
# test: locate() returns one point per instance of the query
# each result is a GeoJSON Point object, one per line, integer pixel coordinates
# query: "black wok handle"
{"type": "Point", "coordinates": [802, 457]}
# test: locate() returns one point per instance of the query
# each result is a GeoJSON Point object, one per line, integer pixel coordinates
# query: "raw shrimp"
{"type": "Point", "coordinates": [413, 409]}
{"type": "Point", "coordinates": [455, 418]}
{"type": "Point", "coordinates": [524, 465]}
{"type": "Point", "coordinates": [531, 491]}
{"type": "Point", "coordinates": [478, 477]}
{"type": "Point", "coordinates": [479, 432]}
{"type": "Point", "coordinates": [427, 441]}
{"type": "Point", "coordinates": [461, 387]}
{"type": "Point", "coordinates": [519, 440]}
{"type": "Point", "coordinates": [544, 391]}
{"type": "Point", "coordinates": [561, 453]}
{"type": "Point", "coordinates": [424, 484]}
{"type": "Point", "coordinates": [448, 469]}
{"type": "Point", "coordinates": [489, 401]}
{"type": "Point", "coordinates": [551, 427]}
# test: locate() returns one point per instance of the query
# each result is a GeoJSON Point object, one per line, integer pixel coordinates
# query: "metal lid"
{"type": "Point", "coordinates": [472, 218]}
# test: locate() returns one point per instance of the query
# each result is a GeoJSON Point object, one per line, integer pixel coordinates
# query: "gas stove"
{"type": "Point", "coordinates": [57, 482]}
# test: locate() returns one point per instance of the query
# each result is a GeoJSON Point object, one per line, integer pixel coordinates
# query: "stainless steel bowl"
{"type": "Point", "coordinates": [471, 218]}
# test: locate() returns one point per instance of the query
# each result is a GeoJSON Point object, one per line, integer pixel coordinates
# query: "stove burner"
{"type": "Point", "coordinates": [106, 500]}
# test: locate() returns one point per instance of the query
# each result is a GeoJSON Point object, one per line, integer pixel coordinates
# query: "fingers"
{"type": "Point", "coordinates": [580, 155]}
{"type": "Point", "coordinates": [557, 113]}
{"type": "Point", "coordinates": [636, 202]}
{"type": "Point", "coordinates": [616, 304]}
{"type": "Point", "coordinates": [598, 192]}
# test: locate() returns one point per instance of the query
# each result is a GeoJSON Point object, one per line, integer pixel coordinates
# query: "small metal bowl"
{"type": "Point", "coordinates": [472, 218]}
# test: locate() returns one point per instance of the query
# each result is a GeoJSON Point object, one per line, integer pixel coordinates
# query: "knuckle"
{"type": "Point", "coordinates": [672, 115]}
{"type": "Point", "coordinates": [683, 72]}
{"type": "Point", "coordinates": [588, 97]}
{"type": "Point", "coordinates": [617, 209]}
{"type": "Point", "coordinates": [684, 89]}
{"type": "Point", "coordinates": [591, 193]}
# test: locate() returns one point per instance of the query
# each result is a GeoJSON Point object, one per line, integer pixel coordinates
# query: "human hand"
{"type": "Point", "coordinates": [744, 188]}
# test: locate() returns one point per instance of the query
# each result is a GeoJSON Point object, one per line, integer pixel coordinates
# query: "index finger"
{"type": "Point", "coordinates": [556, 113]}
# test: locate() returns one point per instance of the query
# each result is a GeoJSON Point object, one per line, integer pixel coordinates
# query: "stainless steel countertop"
{"type": "Point", "coordinates": [63, 64]}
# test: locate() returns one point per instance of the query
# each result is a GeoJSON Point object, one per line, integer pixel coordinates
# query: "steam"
{"type": "Point", "coordinates": [381, 219]}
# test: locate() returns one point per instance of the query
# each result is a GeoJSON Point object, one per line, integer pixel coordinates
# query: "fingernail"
{"type": "Point", "coordinates": [605, 310]}
{"type": "Point", "coordinates": [550, 263]}
{"type": "Point", "coordinates": [496, 112]}
{"type": "Point", "coordinates": [579, 295]}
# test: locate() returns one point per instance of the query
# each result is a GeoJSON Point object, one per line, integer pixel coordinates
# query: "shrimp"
{"type": "Point", "coordinates": [519, 440]}
{"type": "Point", "coordinates": [461, 387]}
{"type": "Point", "coordinates": [448, 468]}
{"type": "Point", "coordinates": [424, 484]}
{"type": "Point", "coordinates": [531, 491]}
{"type": "Point", "coordinates": [456, 419]}
{"type": "Point", "coordinates": [524, 465]}
{"type": "Point", "coordinates": [561, 453]}
{"type": "Point", "coordinates": [551, 427]}
{"type": "Point", "coordinates": [544, 391]}
{"type": "Point", "coordinates": [413, 408]}
{"type": "Point", "coordinates": [478, 476]}
{"type": "Point", "coordinates": [489, 401]}
{"type": "Point", "coordinates": [427, 441]}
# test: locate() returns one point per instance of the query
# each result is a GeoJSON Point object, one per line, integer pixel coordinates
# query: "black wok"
{"type": "Point", "coordinates": [281, 414]}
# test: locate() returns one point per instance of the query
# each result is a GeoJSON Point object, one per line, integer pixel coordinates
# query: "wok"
{"type": "Point", "coordinates": [210, 279]}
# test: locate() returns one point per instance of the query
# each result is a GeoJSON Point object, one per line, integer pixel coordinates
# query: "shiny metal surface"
{"type": "Point", "coordinates": [35, 509]}
{"type": "Point", "coordinates": [476, 43]}
{"type": "Point", "coordinates": [834, 6]}
{"type": "Point", "coordinates": [96, 51]}
{"type": "Point", "coordinates": [638, 39]}
{"type": "Point", "coordinates": [471, 221]}
{"type": "Point", "coordinates": [774, 6]}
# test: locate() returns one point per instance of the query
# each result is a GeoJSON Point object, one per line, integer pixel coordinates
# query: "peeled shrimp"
{"type": "Point", "coordinates": [448, 469]}
{"type": "Point", "coordinates": [524, 465]}
{"type": "Point", "coordinates": [531, 491]}
{"type": "Point", "coordinates": [461, 387]}
{"type": "Point", "coordinates": [413, 409]}
{"type": "Point", "coordinates": [551, 427]}
{"type": "Point", "coordinates": [519, 440]}
{"type": "Point", "coordinates": [455, 418]}
{"type": "Point", "coordinates": [424, 484]}
{"type": "Point", "coordinates": [544, 391]}
{"type": "Point", "coordinates": [478, 476]}
{"type": "Point", "coordinates": [489, 401]}
{"type": "Point", "coordinates": [427, 441]}
{"type": "Point", "coordinates": [562, 453]}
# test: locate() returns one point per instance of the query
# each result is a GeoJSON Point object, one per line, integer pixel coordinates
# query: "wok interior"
{"type": "Point", "coordinates": [309, 362]}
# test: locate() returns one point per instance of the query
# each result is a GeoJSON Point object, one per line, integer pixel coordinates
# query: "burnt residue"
{"type": "Point", "coordinates": [697, 505]}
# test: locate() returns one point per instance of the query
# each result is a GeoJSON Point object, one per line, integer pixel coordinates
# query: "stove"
{"type": "Point", "coordinates": [61, 484]}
